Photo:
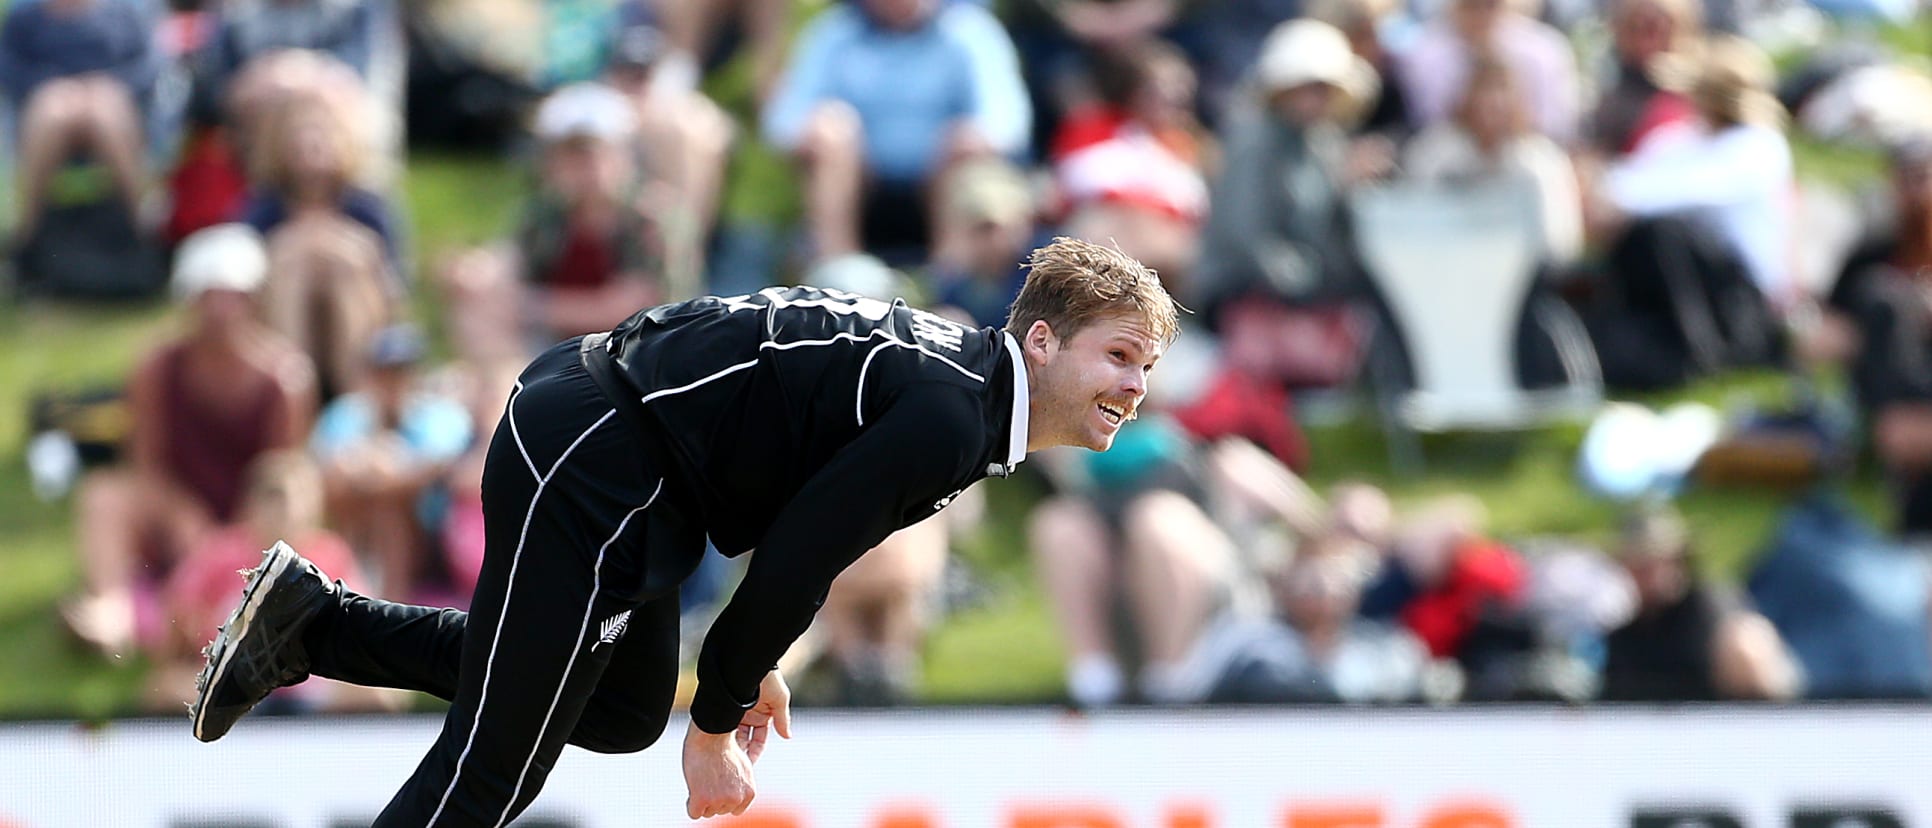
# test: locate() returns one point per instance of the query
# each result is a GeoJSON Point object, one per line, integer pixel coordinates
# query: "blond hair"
{"type": "Point", "coordinates": [270, 160]}
{"type": "Point", "coordinates": [1070, 284]}
{"type": "Point", "coordinates": [1734, 83]}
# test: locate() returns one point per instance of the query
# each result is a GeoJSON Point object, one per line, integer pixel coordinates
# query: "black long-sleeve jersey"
{"type": "Point", "coordinates": [810, 424]}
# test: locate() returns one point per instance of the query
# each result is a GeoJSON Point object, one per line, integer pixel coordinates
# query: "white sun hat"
{"type": "Point", "coordinates": [223, 257]}
{"type": "Point", "coordinates": [586, 109]}
{"type": "Point", "coordinates": [1303, 51]}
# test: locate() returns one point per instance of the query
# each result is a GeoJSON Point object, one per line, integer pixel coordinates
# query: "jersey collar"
{"type": "Point", "coordinates": [1016, 432]}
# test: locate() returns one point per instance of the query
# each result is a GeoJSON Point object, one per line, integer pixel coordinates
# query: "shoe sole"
{"type": "Point", "coordinates": [275, 561]}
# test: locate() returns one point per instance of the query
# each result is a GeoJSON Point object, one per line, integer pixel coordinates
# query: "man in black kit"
{"type": "Point", "coordinates": [805, 423]}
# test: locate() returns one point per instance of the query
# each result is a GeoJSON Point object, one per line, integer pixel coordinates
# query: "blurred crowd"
{"type": "Point", "coordinates": [1623, 169]}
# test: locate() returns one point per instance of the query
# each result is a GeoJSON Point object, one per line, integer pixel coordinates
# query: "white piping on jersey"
{"type": "Point", "coordinates": [880, 333]}
{"type": "Point", "coordinates": [838, 303]}
{"type": "Point", "coordinates": [859, 404]}
{"type": "Point", "coordinates": [511, 406]}
{"type": "Point", "coordinates": [834, 301]}
{"type": "Point", "coordinates": [893, 340]}
{"type": "Point", "coordinates": [690, 385]}
{"type": "Point", "coordinates": [503, 613]}
{"type": "Point", "coordinates": [809, 343]}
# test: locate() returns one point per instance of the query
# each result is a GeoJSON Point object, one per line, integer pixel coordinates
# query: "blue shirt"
{"type": "Point", "coordinates": [345, 29]}
{"type": "Point", "coordinates": [436, 429]}
{"type": "Point", "coordinates": [38, 45]}
{"type": "Point", "coordinates": [909, 87]}
{"type": "Point", "coordinates": [1851, 603]}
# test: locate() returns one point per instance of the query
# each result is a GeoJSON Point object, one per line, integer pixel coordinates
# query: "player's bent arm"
{"type": "Point", "coordinates": [910, 457]}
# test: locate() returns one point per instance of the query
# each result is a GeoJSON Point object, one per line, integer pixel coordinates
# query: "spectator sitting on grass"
{"type": "Point", "coordinates": [1656, 44]}
{"type": "Point", "coordinates": [203, 404]}
{"type": "Point", "coordinates": [880, 99]}
{"type": "Point", "coordinates": [1443, 578]}
{"type": "Point", "coordinates": [384, 449]}
{"type": "Point", "coordinates": [1689, 640]}
{"type": "Point", "coordinates": [352, 31]}
{"type": "Point", "coordinates": [1277, 272]}
{"type": "Point", "coordinates": [585, 254]}
{"type": "Point", "coordinates": [1314, 647]}
{"type": "Point", "coordinates": [1132, 166]}
{"type": "Point", "coordinates": [1131, 526]}
{"type": "Point", "coordinates": [363, 37]}
{"type": "Point", "coordinates": [78, 76]}
{"type": "Point", "coordinates": [1696, 225]}
{"type": "Point", "coordinates": [1879, 321]}
{"type": "Point", "coordinates": [1178, 531]}
{"type": "Point", "coordinates": [333, 278]}
{"type": "Point", "coordinates": [1854, 605]}
{"type": "Point", "coordinates": [986, 226]}
{"type": "Point", "coordinates": [685, 142]}
{"type": "Point", "coordinates": [1436, 67]}
{"type": "Point", "coordinates": [1489, 141]}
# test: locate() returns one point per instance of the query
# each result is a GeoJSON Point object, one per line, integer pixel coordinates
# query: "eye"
{"type": "Point", "coordinates": [1118, 354]}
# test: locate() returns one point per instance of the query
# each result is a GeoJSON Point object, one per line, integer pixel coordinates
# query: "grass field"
{"type": "Point", "coordinates": [1003, 649]}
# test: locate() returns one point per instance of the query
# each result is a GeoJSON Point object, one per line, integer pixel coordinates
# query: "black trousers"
{"type": "Point", "coordinates": [1679, 303]}
{"type": "Point", "coordinates": [572, 634]}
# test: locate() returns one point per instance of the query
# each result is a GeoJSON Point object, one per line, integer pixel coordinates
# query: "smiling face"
{"type": "Point", "coordinates": [1091, 322]}
{"type": "Point", "coordinates": [1083, 387]}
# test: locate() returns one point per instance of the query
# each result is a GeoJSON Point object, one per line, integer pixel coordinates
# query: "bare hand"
{"type": "Point", "coordinates": [772, 712]}
{"type": "Point", "coordinates": [717, 773]}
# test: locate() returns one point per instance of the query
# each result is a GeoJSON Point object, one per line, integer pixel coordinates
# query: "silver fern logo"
{"type": "Point", "coordinates": [613, 629]}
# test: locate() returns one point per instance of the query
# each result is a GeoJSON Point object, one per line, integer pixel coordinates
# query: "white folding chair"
{"type": "Point", "coordinates": [1455, 267]}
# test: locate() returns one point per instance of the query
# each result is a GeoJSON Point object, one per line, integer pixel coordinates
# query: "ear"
{"type": "Point", "coordinates": [1040, 342]}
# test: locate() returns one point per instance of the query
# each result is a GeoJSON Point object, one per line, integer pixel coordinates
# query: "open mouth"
{"type": "Point", "coordinates": [1114, 414]}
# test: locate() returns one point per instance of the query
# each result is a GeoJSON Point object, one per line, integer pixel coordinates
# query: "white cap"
{"type": "Point", "coordinates": [1303, 51]}
{"type": "Point", "coordinates": [222, 257]}
{"type": "Point", "coordinates": [590, 109]}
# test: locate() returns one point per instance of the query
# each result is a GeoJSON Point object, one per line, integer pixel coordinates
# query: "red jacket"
{"type": "Point", "coordinates": [1483, 571]}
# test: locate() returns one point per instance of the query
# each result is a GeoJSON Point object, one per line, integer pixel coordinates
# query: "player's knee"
{"type": "Point", "coordinates": [627, 735]}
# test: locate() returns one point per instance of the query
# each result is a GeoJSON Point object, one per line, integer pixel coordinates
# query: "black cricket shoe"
{"type": "Point", "coordinates": [259, 648]}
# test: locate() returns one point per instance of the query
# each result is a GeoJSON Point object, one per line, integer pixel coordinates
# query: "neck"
{"type": "Point", "coordinates": [1036, 438]}
{"type": "Point", "coordinates": [219, 342]}
{"type": "Point", "coordinates": [596, 212]}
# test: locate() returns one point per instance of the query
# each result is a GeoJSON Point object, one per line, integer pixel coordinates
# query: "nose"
{"type": "Point", "coordinates": [1136, 384]}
